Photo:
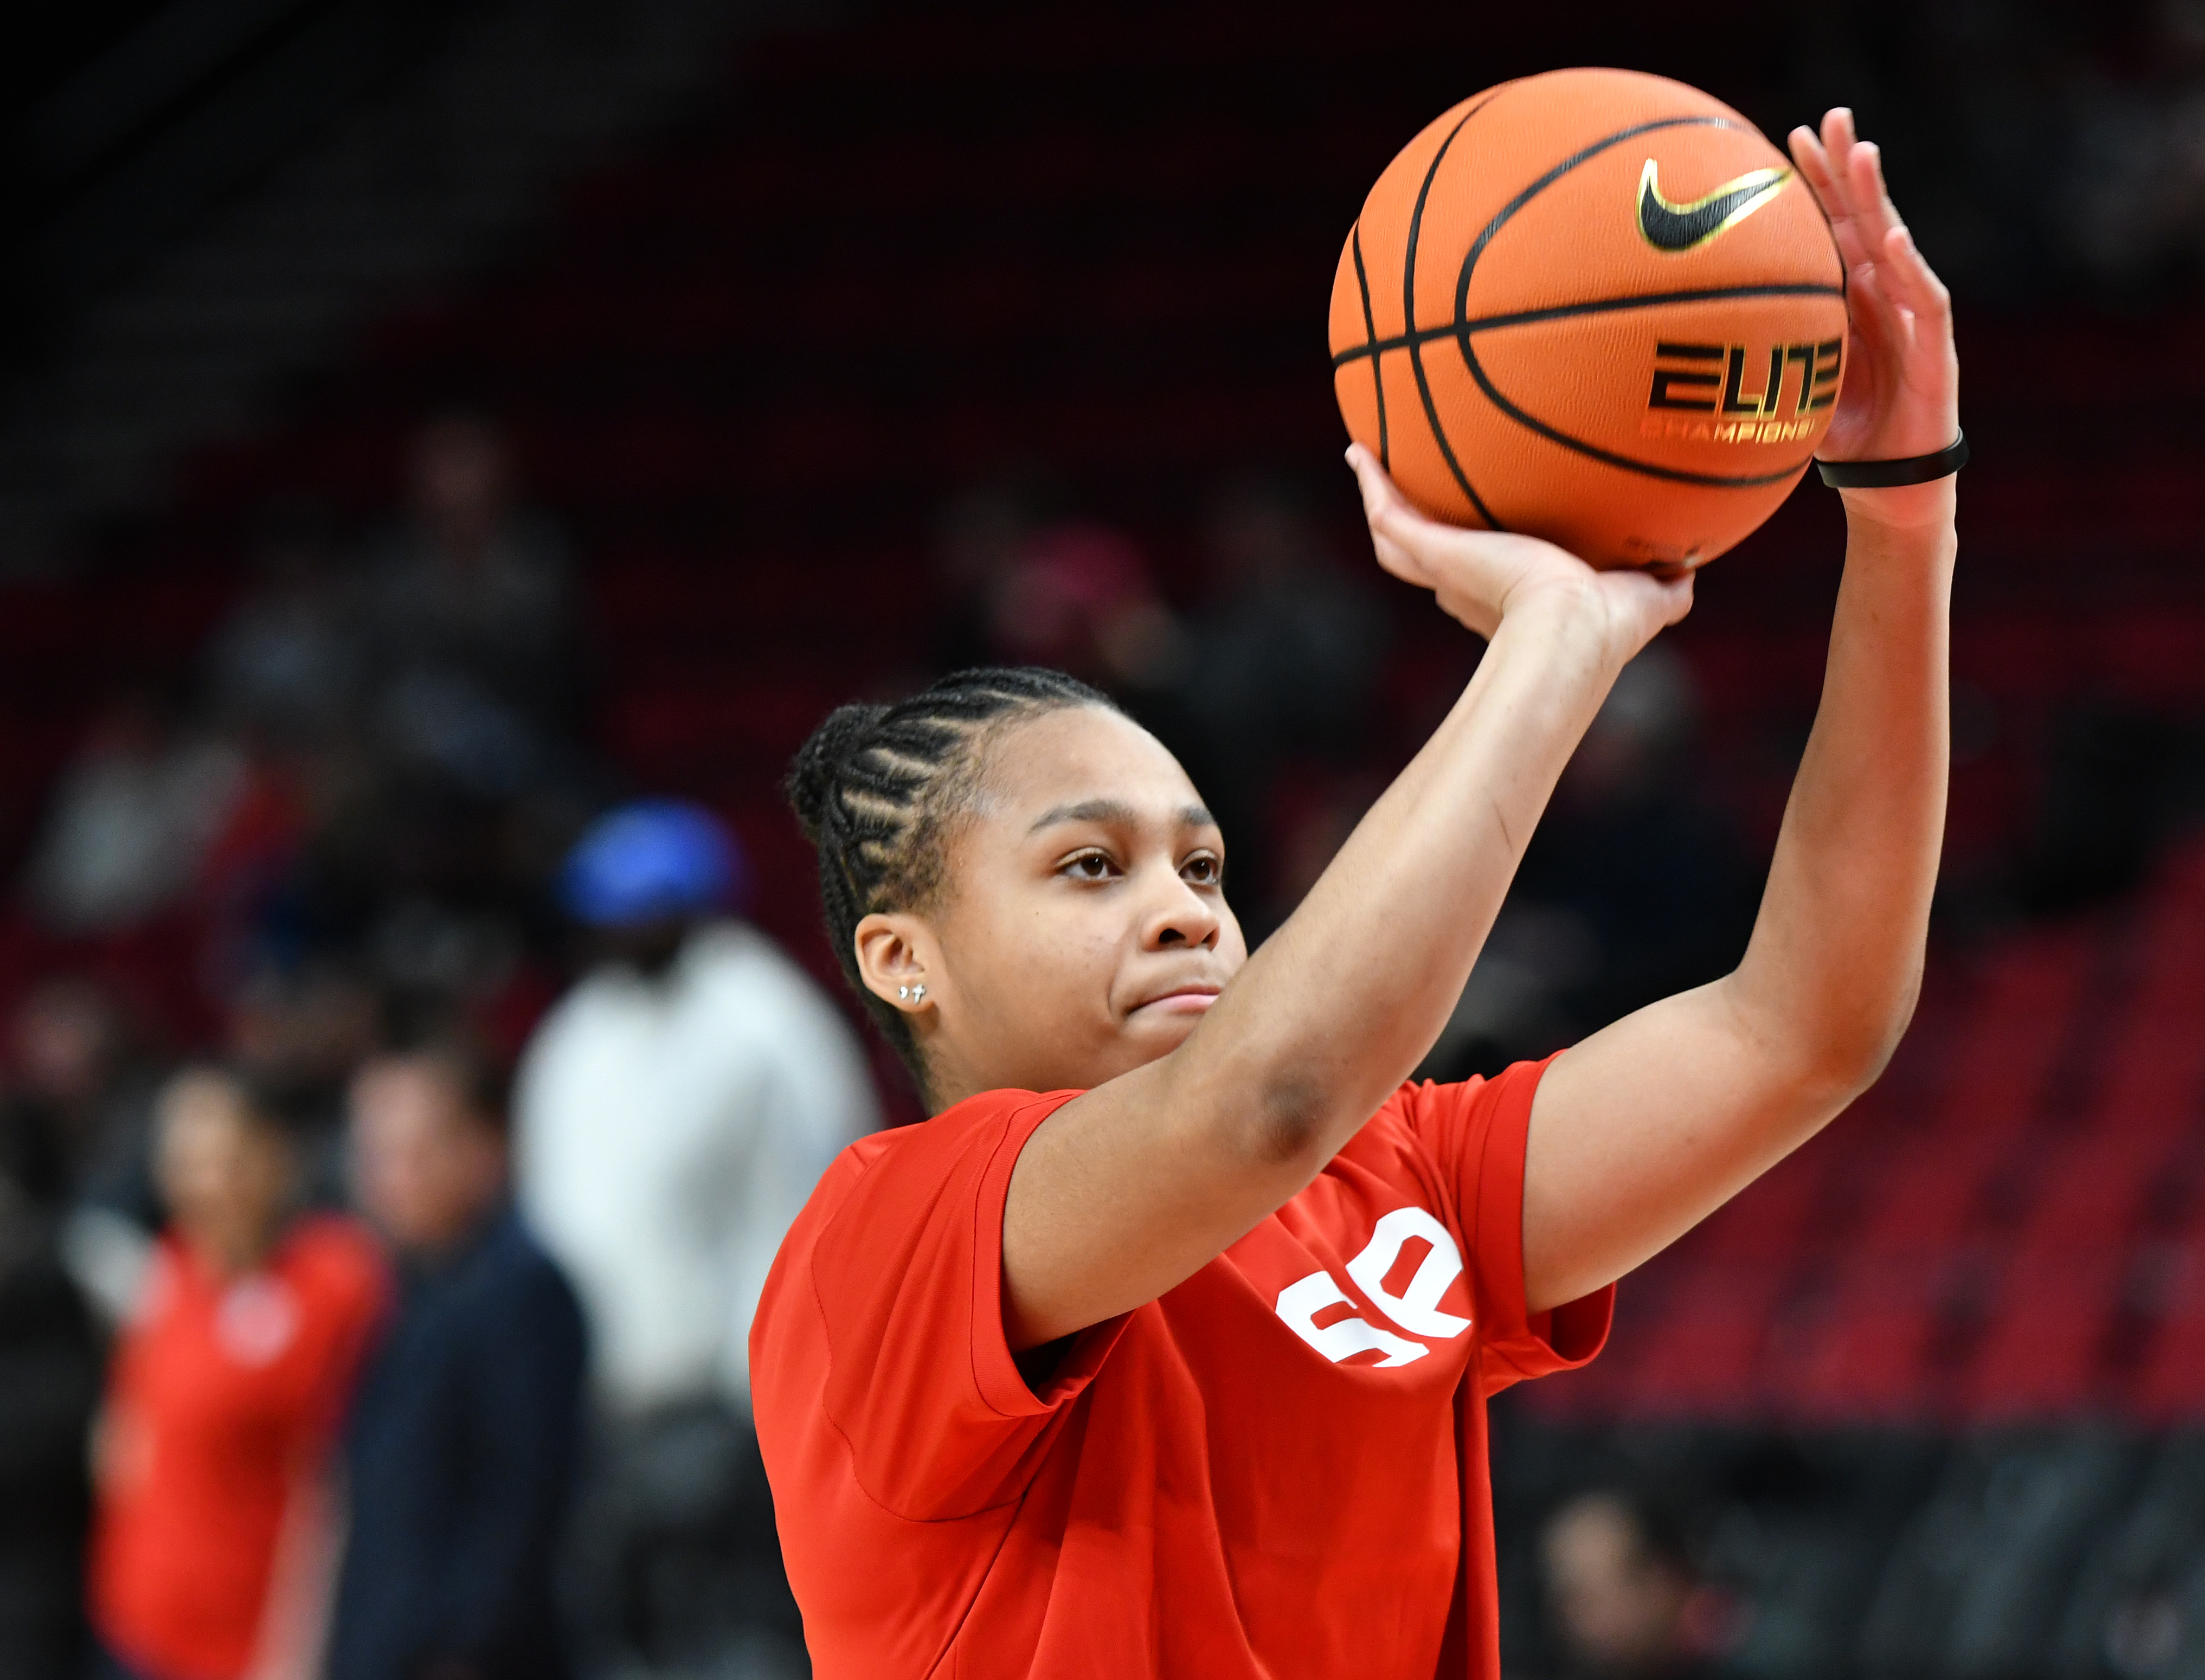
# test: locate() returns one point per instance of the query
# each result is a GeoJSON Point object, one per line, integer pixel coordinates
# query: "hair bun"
{"type": "Point", "coordinates": [823, 764]}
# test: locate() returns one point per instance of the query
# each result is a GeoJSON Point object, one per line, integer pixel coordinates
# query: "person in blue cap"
{"type": "Point", "coordinates": [671, 1117]}
{"type": "Point", "coordinates": [643, 875]}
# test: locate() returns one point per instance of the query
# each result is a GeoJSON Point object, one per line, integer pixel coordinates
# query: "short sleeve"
{"type": "Point", "coordinates": [907, 1274]}
{"type": "Point", "coordinates": [1478, 1130]}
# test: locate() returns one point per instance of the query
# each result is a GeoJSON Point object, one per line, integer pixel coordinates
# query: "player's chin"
{"type": "Point", "coordinates": [1158, 1029]}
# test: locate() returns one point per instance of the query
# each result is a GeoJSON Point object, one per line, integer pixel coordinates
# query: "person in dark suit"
{"type": "Point", "coordinates": [462, 1446]}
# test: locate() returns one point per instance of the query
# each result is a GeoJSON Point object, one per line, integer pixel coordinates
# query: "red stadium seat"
{"type": "Point", "coordinates": [2090, 1197]}
{"type": "Point", "coordinates": [2041, 1354]}
{"type": "Point", "coordinates": [1706, 1358]}
{"type": "Point", "coordinates": [1925, 1193]}
{"type": "Point", "coordinates": [1771, 1221]}
{"type": "Point", "coordinates": [1865, 1352]}
{"type": "Point", "coordinates": [2170, 1379]}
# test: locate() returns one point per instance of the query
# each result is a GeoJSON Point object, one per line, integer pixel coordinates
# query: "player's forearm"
{"type": "Point", "coordinates": [1835, 960]}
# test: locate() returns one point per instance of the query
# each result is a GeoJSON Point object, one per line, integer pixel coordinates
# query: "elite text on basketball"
{"type": "Point", "coordinates": [1698, 391]}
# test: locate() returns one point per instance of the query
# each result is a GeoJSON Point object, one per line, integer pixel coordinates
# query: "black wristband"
{"type": "Point", "coordinates": [1883, 475]}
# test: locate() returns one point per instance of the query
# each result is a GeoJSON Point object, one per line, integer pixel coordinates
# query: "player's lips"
{"type": "Point", "coordinates": [1189, 999]}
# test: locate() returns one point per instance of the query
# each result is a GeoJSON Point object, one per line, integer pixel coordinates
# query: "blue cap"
{"type": "Point", "coordinates": [653, 861]}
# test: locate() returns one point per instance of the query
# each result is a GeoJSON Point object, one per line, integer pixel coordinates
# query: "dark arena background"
{"type": "Point", "coordinates": [805, 351]}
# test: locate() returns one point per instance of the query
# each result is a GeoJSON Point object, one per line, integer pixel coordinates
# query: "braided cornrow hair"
{"type": "Point", "coordinates": [877, 789]}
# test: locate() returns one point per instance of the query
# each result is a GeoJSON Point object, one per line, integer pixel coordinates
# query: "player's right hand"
{"type": "Point", "coordinates": [1481, 577]}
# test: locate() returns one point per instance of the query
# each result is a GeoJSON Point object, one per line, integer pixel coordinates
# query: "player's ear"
{"type": "Point", "coordinates": [893, 957]}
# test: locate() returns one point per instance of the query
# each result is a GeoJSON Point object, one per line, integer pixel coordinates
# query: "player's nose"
{"type": "Point", "coordinates": [1176, 917]}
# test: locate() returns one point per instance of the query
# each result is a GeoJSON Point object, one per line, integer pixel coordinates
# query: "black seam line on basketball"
{"type": "Point", "coordinates": [1409, 320]}
{"type": "Point", "coordinates": [1479, 324]}
{"type": "Point", "coordinates": [1371, 331]}
{"type": "Point", "coordinates": [1462, 337]}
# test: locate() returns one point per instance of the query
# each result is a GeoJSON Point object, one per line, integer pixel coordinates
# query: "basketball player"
{"type": "Point", "coordinates": [1162, 1349]}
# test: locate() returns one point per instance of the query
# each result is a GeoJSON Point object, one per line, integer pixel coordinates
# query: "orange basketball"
{"type": "Point", "coordinates": [1597, 307]}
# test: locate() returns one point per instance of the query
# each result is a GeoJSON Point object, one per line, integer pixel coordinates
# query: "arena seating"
{"type": "Point", "coordinates": [2010, 1228]}
{"type": "Point", "coordinates": [747, 367]}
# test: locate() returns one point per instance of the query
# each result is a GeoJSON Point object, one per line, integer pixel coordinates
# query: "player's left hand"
{"type": "Point", "coordinates": [1901, 395]}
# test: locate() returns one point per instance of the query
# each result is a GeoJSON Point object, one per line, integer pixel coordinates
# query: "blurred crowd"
{"type": "Point", "coordinates": [398, 1120]}
{"type": "Point", "coordinates": [377, 1255]}
{"type": "Point", "coordinates": [2042, 149]}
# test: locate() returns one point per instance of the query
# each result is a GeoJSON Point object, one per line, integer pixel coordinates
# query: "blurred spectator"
{"type": "Point", "coordinates": [673, 1112]}
{"type": "Point", "coordinates": [133, 820]}
{"type": "Point", "coordinates": [76, 1107]}
{"type": "Point", "coordinates": [50, 1355]}
{"type": "Point", "coordinates": [1280, 683]}
{"type": "Point", "coordinates": [303, 1033]}
{"type": "Point", "coordinates": [1311, 810]}
{"type": "Point", "coordinates": [1633, 849]}
{"type": "Point", "coordinates": [1633, 888]}
{"type": "Point", "coordinates": [210, 1545]}
{"type": "Point", "coordinates": [1624, 1590]}
{"type": "Point", "coordinates": [1290, 648]}
{"type": "Point", "coordinates": [2119, 783]}
{"type": "Point", "coordinates": [2131, 205]}
{"type": "Point", "coordinates": [79, 1097]}
{"type": "Point", "coordinates": [425, 830]}
{"type": "Point", "coordinates": [462, 1446]}
{"type": "Point", "coordinates": [677, 1106]}
{"type": "Point", "coordinates": [285, 666]}
{"type": "Point", "coordinates": [468, 606]}
{"type": "Point", "coordinates": [1079, 597]}
{"type": "Point", "coordinates": [977, 539]}
{"type": "Point", "coordinates": [299, 1035]}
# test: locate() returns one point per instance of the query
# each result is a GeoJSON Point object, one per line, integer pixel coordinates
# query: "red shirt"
{"type": "Point", "coordinates": [1277, 1469]}
{"type": "Point", "coordinates": [224, 1395]}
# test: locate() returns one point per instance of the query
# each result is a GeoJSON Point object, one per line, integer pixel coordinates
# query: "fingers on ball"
{"type": "Point", "coordinates": [1827, 179]}
{"type": "Point", "coordinates": [1807, 153]}
{"type": "Point", "coordinates": [1926, 293]}
{"type": "Point", "coordinates": [1871, 203]}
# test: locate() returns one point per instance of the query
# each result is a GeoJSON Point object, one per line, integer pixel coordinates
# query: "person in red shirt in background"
{"type": "Point", "coordinates": [211, 1543]}
{"type": "Point", "coordinates": [1162, 1349]}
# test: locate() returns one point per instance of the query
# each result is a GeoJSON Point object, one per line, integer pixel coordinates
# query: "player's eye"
{"type": "Point", "coordinates": [1204, 869]}
{"type": "Point", "coordinates": [1089, 866]}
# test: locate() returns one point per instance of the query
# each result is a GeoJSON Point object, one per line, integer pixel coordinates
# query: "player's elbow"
{"type": "Point", "coordinates": [1850, 1063]}
{"type": "Point", "coordinates": [1294, 1121]}
{"type": "Point", "coordinates": [1274, 1116]}
{"type": "Point", "coordinates": [1823, 1048]}
{"type": "Point", "coordinates": [1857, 1039]}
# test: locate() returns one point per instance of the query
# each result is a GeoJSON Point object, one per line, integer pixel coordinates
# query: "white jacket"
{"type": "Point", "coordinates": [666, 1135]}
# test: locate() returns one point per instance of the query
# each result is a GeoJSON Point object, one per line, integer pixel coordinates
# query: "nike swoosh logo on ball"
{"type": "Point", "coordinates": [1674, 227]}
